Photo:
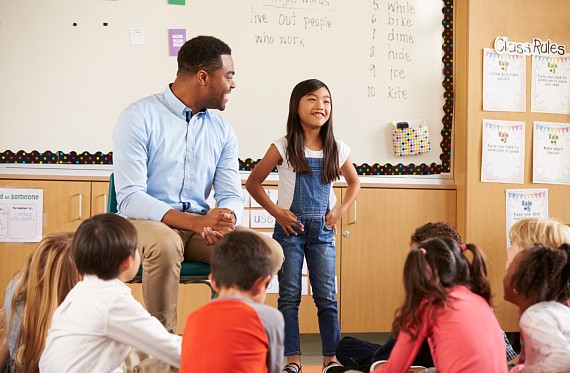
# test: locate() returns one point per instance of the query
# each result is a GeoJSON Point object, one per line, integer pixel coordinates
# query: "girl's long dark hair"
{"type": "Point", "coordinates": [429, 271]}
{"type": "Point", "coordinates": [296, 136]}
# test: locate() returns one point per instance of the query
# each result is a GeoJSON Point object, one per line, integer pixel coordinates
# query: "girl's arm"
{"type": "Point", "coordinates": [353, 187]}
{"type": "Point", "coordinates": [285, 218]}
{"type": "Point", "coordinates": [404, 352]}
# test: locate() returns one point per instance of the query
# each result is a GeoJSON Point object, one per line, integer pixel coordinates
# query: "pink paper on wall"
{"type": "Point", "coordinates": [176, 38]}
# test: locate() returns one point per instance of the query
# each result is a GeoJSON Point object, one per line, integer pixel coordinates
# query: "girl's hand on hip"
{"type": "Point", "coordinates": [332, 218]}
{"type": "Point", "coordinates": [288, 221]}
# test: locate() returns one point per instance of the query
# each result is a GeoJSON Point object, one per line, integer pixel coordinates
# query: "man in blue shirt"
{"type": "Point", "coordinates": [169, 150]}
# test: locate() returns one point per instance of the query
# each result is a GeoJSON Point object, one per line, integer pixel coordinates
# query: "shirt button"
{"type": "Point", "coordinates": [190, 149]}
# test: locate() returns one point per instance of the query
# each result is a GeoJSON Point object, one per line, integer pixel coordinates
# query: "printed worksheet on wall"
{"type": "Point", "coordinates": [21, 212]}
{"type": "Point", "coordinates": [502, 159]}
{"type": "Point", "coordinates": [525, 203]}
{"type": "Point", "coordinates": [504, 81]}
{"type": "Point", "coordinates": [550, 84]}
{"type": "Point", "coordinates": [551, 153]}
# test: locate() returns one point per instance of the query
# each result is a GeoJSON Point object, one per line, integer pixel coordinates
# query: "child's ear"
{"type": "Point", "coordinates": [261, 284]}
{"type": "Point", "coordinates": [125, 264]}
{"type": "Point", "coordinates": [214, 285]}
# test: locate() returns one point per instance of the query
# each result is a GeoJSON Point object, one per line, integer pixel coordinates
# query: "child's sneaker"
{"type": "Point", "coordinates": [292, 368]}
{"type": "Point", "coordinates": [335, 367]}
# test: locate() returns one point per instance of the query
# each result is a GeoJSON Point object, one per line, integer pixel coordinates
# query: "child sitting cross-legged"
{"type": "Point", "coordinates": [236, 332]}
{"type": "Point", "coordinates": [99, 321]}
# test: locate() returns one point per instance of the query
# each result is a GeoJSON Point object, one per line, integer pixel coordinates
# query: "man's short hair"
{"type": "Point", "coordinates": [102, 243]}
{"type": "Point", "coordinates": [433, 230]}
{"type": "Point", "coordinates": [202, 53]}
{"type": "Point", "coordinates": [239, 259]}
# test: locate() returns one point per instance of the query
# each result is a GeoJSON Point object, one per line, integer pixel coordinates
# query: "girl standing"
{"type": "Point", "coordinates": [308, 159]}
{"type": "Point", "coordinates": [447, 301]}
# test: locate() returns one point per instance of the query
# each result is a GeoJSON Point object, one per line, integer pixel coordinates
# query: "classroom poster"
{"type": "Point", "coordinates": [551, 153]}
{"type": "Point", "coordinates": [21, 213]}
{"type": "Point", "coordinates": [176, 39]}
{"type": "Point", "coordinates": [550, 91]}
{"type": "Point", "coordinates": [503, 151]}
{"type": "Point", "coordinates": [504, 81]}
{"type": "Point", "coordinates": [525, 203]}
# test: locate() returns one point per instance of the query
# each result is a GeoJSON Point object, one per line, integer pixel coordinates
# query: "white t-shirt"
{"type": "Point", "coordinates": [96, 325]}
{"type": "Point", "coordinates": [287, 176]}
{"type": "Point", "coordinates": [546, 329]}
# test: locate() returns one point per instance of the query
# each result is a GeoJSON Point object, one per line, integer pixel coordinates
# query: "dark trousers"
{"type": "Point", "coordinates": [361, 354]}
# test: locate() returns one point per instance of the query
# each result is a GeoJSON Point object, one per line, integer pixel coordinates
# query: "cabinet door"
{"type": "Point", "coordinates": [66, 205]}
{"type": "Point", "coordinates": [99, 197]}
{"type": "Point", "coordinates": [375, 242]}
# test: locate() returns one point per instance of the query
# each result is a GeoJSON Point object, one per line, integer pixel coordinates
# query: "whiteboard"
{"type": "Point", "coordinates": [63, 86]}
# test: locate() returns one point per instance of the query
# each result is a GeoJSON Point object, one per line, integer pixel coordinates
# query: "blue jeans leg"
{"type": "Point", "coordinates": [290, 288]}
{"type": "Point", "coordinates": [321, 262]}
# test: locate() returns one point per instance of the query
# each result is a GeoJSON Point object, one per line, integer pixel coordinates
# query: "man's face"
{"type": "Point", "coordinates": [220, 84]}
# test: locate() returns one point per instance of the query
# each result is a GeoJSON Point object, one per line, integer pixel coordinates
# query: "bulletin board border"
{"type": "Point", "coordinates": [73, 157]}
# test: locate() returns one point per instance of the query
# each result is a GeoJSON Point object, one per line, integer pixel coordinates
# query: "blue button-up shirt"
{"type": "Point", "coordinates": [165, 157]}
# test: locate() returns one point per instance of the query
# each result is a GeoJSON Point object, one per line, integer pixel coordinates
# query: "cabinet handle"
{"type": "Point", "coordinates": [105, 202]}
{"type": "Point", "coordinates": [345, 233]}
{"type": "Point", "coordinates": [80, 198]}
{"type": "Point", "coordinates": [354, 207]}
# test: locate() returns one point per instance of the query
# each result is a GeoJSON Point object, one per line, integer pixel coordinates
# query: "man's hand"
{"type": "Point", "coordinates": [211, 236]}
{"type": "Point", "coordinates": [217, 223]}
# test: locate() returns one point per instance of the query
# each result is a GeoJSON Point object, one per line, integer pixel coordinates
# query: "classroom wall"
{"type": "Point", "coordinates": [481, 206]}
{"type": "Point", "coordinates": [70, 65]}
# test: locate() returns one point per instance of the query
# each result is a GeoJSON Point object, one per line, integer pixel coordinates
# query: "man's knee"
{"type": "Point", "coordinates": [156, 239]}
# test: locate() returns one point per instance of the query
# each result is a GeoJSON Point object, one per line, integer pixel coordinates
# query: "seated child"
{"type": "Point", "coordinates": [447, 301]}
{"type": "Point", "coordinates": [524, 234]}
{"type": "Point", "coordinates": [358, 354]}
{"type": "Point", "coordinates": [31, 299]}
{"type": "Point", "coordinates": [236, 332]}
{"type": "Point", "coordinates": [99, 321]}
{"type": "Point", "coordinates": [537, 282]}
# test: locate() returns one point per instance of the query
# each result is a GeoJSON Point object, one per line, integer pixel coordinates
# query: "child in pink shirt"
{"type": "Point", "coordinates": [447, 301]}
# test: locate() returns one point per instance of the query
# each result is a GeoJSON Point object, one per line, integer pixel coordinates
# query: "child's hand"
{"type": "Point", "coordinates": [288, 221]}
{"type": "Point", "coordinates": [332, 218]}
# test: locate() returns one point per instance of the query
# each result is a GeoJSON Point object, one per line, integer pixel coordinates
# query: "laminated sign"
{"type": "Point", "coordinates": [410, 140]}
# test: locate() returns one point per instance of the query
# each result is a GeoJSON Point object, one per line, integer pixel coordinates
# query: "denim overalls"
{"type": "Point", "coordinates": [310, 205]}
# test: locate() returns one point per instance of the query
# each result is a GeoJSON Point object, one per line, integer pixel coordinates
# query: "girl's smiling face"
{"type": "Point", "coordinates": [315, 108]}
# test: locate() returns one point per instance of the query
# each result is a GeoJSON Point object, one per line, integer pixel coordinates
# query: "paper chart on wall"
{"type": "Point", "coordinates": [502, 158]}
{"type": "Point", "coordinates": [504, 81]}
{"type": "Point", "coordinates": [550, 91]}
{"type": "Point", "coordinates": [21, 213]}
{"type": "Point", "coordinates": [525, 203]}
{"type": "Point", "coordinates": [551, 153]}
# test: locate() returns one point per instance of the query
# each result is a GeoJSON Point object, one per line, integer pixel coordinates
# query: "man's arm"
{"type": "Point", "coordinates": [227, 182]}
{"type": "Point", "coordinates": [130, 168]}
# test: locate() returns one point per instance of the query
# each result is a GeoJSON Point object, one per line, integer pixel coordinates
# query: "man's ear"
{"type": "Point", "coordinates": [202, 76]}
{"type": "Point", "coordinates": [214, 285]}
{"type": "Point", "coordinates": [260, 285]}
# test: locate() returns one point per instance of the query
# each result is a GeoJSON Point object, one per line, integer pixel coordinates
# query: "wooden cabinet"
{"type": "Point", "coordinates": [99, 197]}
{"type": "Point", "coordinates": [372, 243]}
{"type": "Point", "coordinates": [66, 205]}
{"type": "Point", "coordinates": [375, 242]}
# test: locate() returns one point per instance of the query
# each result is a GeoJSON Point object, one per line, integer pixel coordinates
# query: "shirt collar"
{"type": "Point", "coordinates": [177, 106]}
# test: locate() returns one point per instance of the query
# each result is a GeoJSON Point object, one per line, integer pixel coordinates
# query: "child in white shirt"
{"type": "Point", "coordinates": [94, 329]}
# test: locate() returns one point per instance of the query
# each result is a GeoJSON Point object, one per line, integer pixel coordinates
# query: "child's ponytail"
{"type": "Point", "coordinates": [479, 283]}
{"type": "Point", "coordinates": [421, 283]}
